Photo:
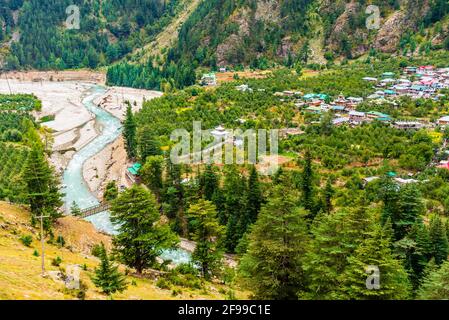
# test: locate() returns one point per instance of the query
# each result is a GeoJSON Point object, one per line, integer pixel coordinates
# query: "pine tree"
{"type": "Point", "coordinates": [375, 252]}
{"type": "Point", "coordinates": [439, 240]}
{"type": "Point", "coordinates": [421, 254]}
{"type": "Point", "coordinates": [147, 144]}
{"type": "Point", "coordinates": [174, 197]}
{"type": "Point", "coordinates": [327, 196]}
{"type": "Point", "coordinates": [272, 266]}
{"type": "Point", "coordinates": [42, 187]}
{"type": "Point", "coordinates": [107, 277]}
{"type": "Point", "coordinates": [306, 185]}
{"type": "Point", "coordinates": [75, 209]}
{"type": "Point", "coordinates": [209, 183]}
{"type": "Point", "coordinates": [207, 233]}
{"type": "Point", "coordinates": [129, 133]}
{"type": "Point", "coordinates": [151, 174]}
{"type": "Point", "coordinates": [255, 197]}
{"type": "Point", "coordinates": [403, 206]}
{"type": "Point", "coordinates": [435, 285]}
{"type": "Point", "coordinates": [335, 238]}
{"type": "Point", "coordinates": [111, 191]}
{"type": "Point", "coordinates": [410, 210]}
{"type": "Point", "coordinates": [141, 235]}
{"type": "Point", "coordinates": [234, 205]}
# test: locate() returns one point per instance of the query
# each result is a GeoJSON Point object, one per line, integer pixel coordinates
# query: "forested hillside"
{"type": "Point", "coordinates": [263, 34]}
{"type": "Point", "coordinates": [236, 34]}
{"type": "Point", "coordinates": [108, 30]}
{"type": "Point", "coordinates": [345, 198]}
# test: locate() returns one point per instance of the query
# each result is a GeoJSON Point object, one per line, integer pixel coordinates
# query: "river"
{"type": "Point", "coordinates": [77, 190]}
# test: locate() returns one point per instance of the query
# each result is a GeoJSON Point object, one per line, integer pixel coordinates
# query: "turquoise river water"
{"type": "Point", "coordinates": [77, 189]}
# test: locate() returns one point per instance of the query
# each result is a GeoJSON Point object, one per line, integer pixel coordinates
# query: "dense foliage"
{"type": "Point", "coordinates": [108, 31]}
{"type": "Point", "coordinates": [25, 174]}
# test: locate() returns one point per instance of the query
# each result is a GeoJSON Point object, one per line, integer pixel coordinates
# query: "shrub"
{"type": "Point", "coordinates": [56, 261]}
{"type": "Point", "coordinates": [187, 268]}
{"type": "Point", "coordinates": [163, 284]}
{"type": "Point", "coordinates": [26, 240]}
{"type": "Point", "coordinates": [176, 292]}
{"type": "Point", "coordinates": [231, 295]}
{"type": "Point", "coordinates": [96, 250]}
{"type": "Point", "coordinates": [60, 241]}
{"type": "Point", "coordinates": [35, 253]}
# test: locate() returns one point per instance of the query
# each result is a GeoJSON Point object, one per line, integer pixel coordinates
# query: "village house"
{"type": "Point", "coordinates": [219, 133]}
{"type": "Point", "coordinates": [209, 79]}
{"type": "Point", "coordinates": [357, 116]}
{"type": "Point", "coordinates": [244, 88]}
{"type": "Point", "coordinates": [338, 108]}
{"type": "Point", "coordinates": [374, 115]}
{"type": "Point", "coordinates": [314, 110]}
{"type": "Point", "coordinates": [284, 133]}
{"type": "Point", "coordinates": [444, 121]}
{"type": "Point", "coordinates": [424, 70]}
{"type": "Point", "coordinates": [340, 121]}
{"type": "Point", "coordinates": [388, 75]}
{"type": "Point", "coordinates": [402, 181]}
{"type": "Point", "coordinates": [410, 70]}
{"type": "Point", "coordinates": [132, 173]}
{"type": "Point", "coordinates": [369, 79]}
{"type": "Point", "coordinates": [408, 125]}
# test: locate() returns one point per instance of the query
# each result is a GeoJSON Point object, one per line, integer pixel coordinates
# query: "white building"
{"type": "Point", "coordinates": [220, 133]}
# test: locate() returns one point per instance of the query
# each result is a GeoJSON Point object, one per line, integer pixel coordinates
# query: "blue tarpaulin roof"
{"type": "Point", "coordinates": [135, 169]}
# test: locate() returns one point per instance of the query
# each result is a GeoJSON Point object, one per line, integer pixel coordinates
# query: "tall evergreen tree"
{"type": "Point", "coordinates": [335, 238]}
{"type": "Point", "coordinates": [107, 276]}
{"type": "Point", "coordinates": [306, 185]}
{"type": "Point", "coordinates": [234, 204]}
{"type": "Point", "coordinates": [402, 205]}
{"type": "Point", "coordinates": [375, 251]}
{"type": "Point", "coordinates": [439, 240]}
{"type": "Point", "coordinates": [207, 233]}
{"type": "Point", "coordinates": [141, 235]}
{"type": "Point", "coordinates": [42, 187]}
{"type": "Point", "coordinates": [174, 197]}
{"type": "Point", "coordinates": [272, 267]}
{"type": "Point", "coordinates": [411, 209]}
{"type": "Point", "coordinates": [129, 133]}
{"type": "Point", "coordinates": [151, 174]}
{"type": "Point", "coordinates": [389, 194]}
{"type": "Point", "coordinates": [209, 183]}
{"type": "Point", "coordinates": [111, 191]}
{"type": "Point", "coordinates": [147, 144]}
{"type": "Point", "coordinates": [255, 197]}
{"type": "Point", "coordinates": [435, 285]}
{"type": "Point", "coordinates": [421, 252]}
{"type": "Point", "coordinates": [328, 193]}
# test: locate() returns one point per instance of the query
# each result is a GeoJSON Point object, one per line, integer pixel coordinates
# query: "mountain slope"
{"type": "Point", "coordinates": [142, 35]}
{"type": "Point", "coordinates": [20, 269]}
{"type": "Point", "coordinates": [233, 32]}
{"type": "Point", "coordinates": [168, 36]}
{"type": "Point", "coordinates": [109, 29]}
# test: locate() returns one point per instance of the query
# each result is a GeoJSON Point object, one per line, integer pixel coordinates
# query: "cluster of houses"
{"type": "Point", "coordinates": [344, 109]}
{"type": "Point", "coordinates": [415, 82]}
